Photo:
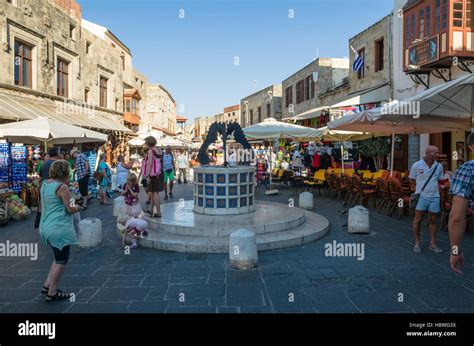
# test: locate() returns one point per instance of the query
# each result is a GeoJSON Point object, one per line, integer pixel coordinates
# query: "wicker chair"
{"type": "Point", "coordinates": [362, 193]}
{"type": "Point", "coordinates": [347, 189]}
{"type": "Point", "coordinates": [384, 195]}
{"type": "Point", "coordinates": [398, 197]}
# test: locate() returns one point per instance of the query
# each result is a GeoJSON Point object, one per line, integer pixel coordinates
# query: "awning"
{"type": "Point", "coordinates": [374, 95]}
{"type": "Point", "coordinates": [312, 113]}
{"type": "Point", "coordinates": [17, 108]}
{"type": "Point", "coordinates": [165, 131]}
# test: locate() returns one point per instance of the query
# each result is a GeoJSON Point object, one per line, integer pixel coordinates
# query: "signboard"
{"type": "Point", "coordinates": [4, 162]}
{"type": "Point", "coordinates": [19, 166]}
{"type": "Point", "coordinates": [424, 52]}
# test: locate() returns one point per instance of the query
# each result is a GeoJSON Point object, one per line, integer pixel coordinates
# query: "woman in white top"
{"type": "Point", "coordinates": [122, 171]}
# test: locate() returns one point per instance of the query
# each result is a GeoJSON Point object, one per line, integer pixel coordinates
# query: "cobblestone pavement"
{"type": "Point", "coordinates": [391, 278]}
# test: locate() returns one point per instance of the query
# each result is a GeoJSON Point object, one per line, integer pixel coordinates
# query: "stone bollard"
{"type": "Point", "coordinates": [118, 205]}
{"type": "Point", "coordinates": [243, 249]}
{"type": "Point", "coordinates": [90, 232]}
{"type": "Point", "coordinates": [306, 200]}
{"type": "Point", "coordinates": [359, 220]}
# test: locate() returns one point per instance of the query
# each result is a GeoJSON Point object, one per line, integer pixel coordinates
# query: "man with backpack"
{"type": "Point", "coordinates": [168, 171]}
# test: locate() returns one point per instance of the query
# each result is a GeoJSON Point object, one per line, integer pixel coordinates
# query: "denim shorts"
{"type": "Point", "coordinates": [431, 204]}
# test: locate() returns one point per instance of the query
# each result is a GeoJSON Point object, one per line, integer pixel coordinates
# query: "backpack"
{"type": "Point", "coordinates": [157, 165]}
{"type": "Point", "coordinates": [97, 175]}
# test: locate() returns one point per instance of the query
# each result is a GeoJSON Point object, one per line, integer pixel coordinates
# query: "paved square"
{"type": "Point", "coordinates": [391, 278]}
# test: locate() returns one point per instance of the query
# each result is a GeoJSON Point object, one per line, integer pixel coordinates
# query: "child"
{"type": "Point", "coordinates": [130, 192]}
{"type": "Point", "coordinates": [133, 228]}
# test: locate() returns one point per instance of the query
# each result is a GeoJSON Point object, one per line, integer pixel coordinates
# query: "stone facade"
{"type": "Point", "coordinates": [160, 109]}
{"type": "Point", "coordinates": [232, 114]}
{"type": "Point", "coordinates": [268, 101]}
{"type": "Point", "coordinates": [201, 126]}
{"type": "Point", "coordinates": [328, 72]}
{"type": "Point", "coordinates": [368, 40]}
{"type": "Point", "coordinates": [55, 29]}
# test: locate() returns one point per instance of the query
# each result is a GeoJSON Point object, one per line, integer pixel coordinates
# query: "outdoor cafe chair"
{"type": "Point", "coordinates": [384, 196]}
{"type": "Point", "coordinates": [317, 181]}
{"type": "Point", "coordinates": [347, 189]}
{"type": "Point", "coordinates": [362, 192]}
{"type": "Point", "coordinates": [399, 198]}
{"type": "Point", "coordinates": [331, 185]}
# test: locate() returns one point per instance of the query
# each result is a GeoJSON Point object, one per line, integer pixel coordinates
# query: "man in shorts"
{"type": "Point", "coordinates": [83, 173]}
{"type": "Point", "coordinates": [168, 171]}
{"type": "Point", "coordinates": [426, 173]}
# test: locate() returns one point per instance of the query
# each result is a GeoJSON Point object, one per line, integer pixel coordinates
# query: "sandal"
{"type": "Point", "coordinates": [147, 211]}
{"type": "Point", "coordinates": [435, 249]}
{"type": "Point", "coordinates": [166, 197]}
{"type": "Point", "coordinates": [45, 290]}
{"type": "Point", "coordinates": [171, 195]}
{"type": "Point", "coordinates": [155, 215]}
{"type": "Point", "coordinates": [58, 296]}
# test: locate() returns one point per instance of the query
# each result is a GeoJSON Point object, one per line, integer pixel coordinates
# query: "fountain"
{"type": "Point", "coordinates": [223, 202]}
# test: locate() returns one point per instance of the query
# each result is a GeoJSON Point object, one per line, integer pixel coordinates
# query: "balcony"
{"type": "Point", "coordinates": [131, 118]}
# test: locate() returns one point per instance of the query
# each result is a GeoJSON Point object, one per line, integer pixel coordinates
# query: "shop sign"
{"type": "Point", "coordinates": [424, 52]}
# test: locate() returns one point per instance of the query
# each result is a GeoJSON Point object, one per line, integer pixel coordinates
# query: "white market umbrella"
{"type": "Point", "coordinates": [343, 136]}
{"type": "Point", "coordinates": [172, 142]}
{"type": "Point", "coordinates": [273, 129]}
{"type": "Point", "coordinates": [48, 131]}
{"type": "Point", "coordinates": [136, 142]}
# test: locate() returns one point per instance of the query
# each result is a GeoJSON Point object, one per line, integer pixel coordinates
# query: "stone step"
{"type": "Point", "coordinates": [269, 217]}
{"type": "Point", "coordinates": [315, 227]}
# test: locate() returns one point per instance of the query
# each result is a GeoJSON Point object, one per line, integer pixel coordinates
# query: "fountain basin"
{"type": "Point", "coordinates": [224, 190]}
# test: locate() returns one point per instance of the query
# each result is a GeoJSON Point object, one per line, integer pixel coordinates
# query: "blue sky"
{"type": "Point", "coordinates": [193, 57]}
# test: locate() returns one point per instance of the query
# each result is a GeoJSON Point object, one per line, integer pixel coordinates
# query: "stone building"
{"type": "Point", "coordinates": [58, 65]}
{"type": "Point", "coordinates": [232, 114]}
{"type": "Point", "coordinates": [201, 126]}
{"type": "Point", "coordinates": [159, 109]}
{"type": "Point", "coordinates": [301, 90]}
{"type": "Point", "coordinates": [263, 104]}
{"type": "Point", "coordinates": [370, 86]}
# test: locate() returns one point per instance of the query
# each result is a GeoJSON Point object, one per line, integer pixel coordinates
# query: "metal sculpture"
{"type": "Point", "coordinates": [225, 131]}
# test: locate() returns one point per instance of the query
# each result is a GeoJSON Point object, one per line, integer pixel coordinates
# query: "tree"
{"type": "Point", "coordinates": [378, 148]}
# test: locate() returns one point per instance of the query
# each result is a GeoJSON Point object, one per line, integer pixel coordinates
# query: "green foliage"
{"type": "Point", "coordinates": [377, 148]}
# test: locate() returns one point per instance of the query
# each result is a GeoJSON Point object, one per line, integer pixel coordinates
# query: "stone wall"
{"type": "Point", "coordinates": [232, 114]}
{"type": "Point", "coordinates": [330, 72]}
{"type": "Point", "coordinates": [160, 109]}
{"type": "Point", "coordinates": [366, 39]}
{"type": "Point", "coordinates": [271, 95]}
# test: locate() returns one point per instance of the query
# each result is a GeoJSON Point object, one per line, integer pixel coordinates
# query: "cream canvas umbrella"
{"type": "Point", "coordinates": [377, 121]}
{"type": "Point", "coordinates": [273, 129]}
{"type": "Point", "coordinates": [48, 131]}
{"type": "Point", "coordinates": [343, 136]}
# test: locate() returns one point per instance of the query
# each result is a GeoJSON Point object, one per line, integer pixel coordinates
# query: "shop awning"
{"type": "Point", "coordinates": [16, 108]}
{"type": "Point", "coordinates": [312, 113]}
{"type": "Point", "coordinates": [373, 95]}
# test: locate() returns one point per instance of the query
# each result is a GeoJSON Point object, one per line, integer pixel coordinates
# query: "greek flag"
{"type": "Point", "coordinates": [358, 63]}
